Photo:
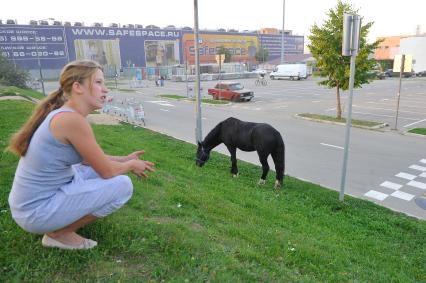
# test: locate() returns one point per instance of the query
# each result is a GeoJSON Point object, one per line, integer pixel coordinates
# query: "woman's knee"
{"type": "Point", "coordinates": [125, 186]}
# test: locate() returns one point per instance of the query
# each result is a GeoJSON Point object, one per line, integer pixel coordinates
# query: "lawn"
{"type": "Point", "coordinates": [419, 131]}
{"type": "Point", "coordinates": [190, 224]}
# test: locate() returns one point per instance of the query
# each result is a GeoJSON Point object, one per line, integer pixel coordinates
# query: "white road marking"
{"type": "Point", "coordinates": [389, 116]}
{"type": "Point", "coordinates": [161, 102]}
{"type": "Point", "coordinates": [390, 185]}
{"type": "Point", "coordinates": [387, 109]}
{"type": "Point", "coordinates": [316, 101]}
{"type": "Point", "coordinates": [376, 195]}
{"type": "Point", "coordinates": [417, 167]}
{"type": "Point", "coordinates": [165, 110]}
{"type": "Point", "coordinates": [330, 145]}
{"type": "Point", "coordinates": [406, 176]}
{"type": "Point", "coordinates": [331, 109]}
{"type": "Point", "coordinates": [418, 185]}
{"type": "Point", "coordinates": [414, 123]}
{"type": "Point", "coordinates": [423, 161]}
{"type": "Point", "coordinates": [402, 195]}
{"type": "Point", "coordinates": [423, 175]}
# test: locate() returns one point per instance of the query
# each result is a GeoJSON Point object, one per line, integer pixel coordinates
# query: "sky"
{"type": "Point", "coordinates": [390, 17]}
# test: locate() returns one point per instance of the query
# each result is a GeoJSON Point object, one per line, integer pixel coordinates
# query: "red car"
{"type": "Point", "coordinates": [230, 91]}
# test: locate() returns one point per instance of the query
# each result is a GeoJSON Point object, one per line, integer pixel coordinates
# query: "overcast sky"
{"type": "Point", "coordinates": [390, 17]}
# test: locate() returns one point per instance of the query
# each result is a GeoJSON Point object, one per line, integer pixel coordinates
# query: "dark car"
{"type": "Point", "coordinates": [390, 73]}
{"type": "Point", "coordinates": [233, 91]}
{"type": "Point", "coordinates": [421, 74]}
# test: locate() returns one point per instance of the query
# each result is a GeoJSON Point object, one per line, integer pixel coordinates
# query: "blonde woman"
{"type": "Point", "coordinates": [53, 193]}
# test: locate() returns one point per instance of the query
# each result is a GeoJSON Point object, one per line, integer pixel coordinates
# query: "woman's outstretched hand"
{"type": "Point", "coordinates": [135, 155]}
{"type": "Point", "coordinates": [140, 166]}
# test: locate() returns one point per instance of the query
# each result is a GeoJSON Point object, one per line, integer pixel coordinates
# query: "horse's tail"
{"type": "Point", "coordinates": [278, 155]}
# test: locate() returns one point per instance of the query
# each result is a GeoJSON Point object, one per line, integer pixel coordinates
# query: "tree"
{"type": "Point", "coordinates": [222, 50]}
{"type": "Point", "coordinates": [326, 48]}
{"type": "Point", "coordinates": [262, 55]}
{"type": "Point", "coordinates": [11, 75]}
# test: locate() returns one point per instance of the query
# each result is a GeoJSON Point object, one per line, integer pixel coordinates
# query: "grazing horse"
{"type": "Point", "coordinates": [246, 136]}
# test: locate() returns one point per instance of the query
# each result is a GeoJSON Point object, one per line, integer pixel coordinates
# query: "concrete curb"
{"type": "Point", "coordinates": [374, 128]}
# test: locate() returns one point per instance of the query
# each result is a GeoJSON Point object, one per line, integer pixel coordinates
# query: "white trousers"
{"type": "Point", "coordinates": [88, 193]}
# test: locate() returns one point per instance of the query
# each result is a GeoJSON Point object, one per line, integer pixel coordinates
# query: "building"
{"type": "Point", "coordinates": [114, 47]}
{"type": "Point", "coordinates": [415, 46]}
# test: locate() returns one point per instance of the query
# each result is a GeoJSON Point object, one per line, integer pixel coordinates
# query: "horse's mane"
{"type": "Point", "coordinates": [213, 138]}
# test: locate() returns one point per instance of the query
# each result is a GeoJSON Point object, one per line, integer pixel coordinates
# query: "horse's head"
{"type": "Point", "coordinates": [202, 155]}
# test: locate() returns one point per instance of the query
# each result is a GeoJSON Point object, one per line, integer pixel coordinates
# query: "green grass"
{"type": "Point", "coordinates": [203, 100]}
{"type": "Point", "coordinates": [419, 131]}
{"type": "Point", "coordinates": [14, 91]}
{"type": "Point", "coordinates": [173, 96]}
{"type": "Point", "coordinates": [190, 224]}
{"type": "Point", "coordinates": [354, 122]}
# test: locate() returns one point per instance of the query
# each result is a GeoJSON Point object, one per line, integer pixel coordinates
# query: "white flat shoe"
{"type": "Point", "coordinates": [52, 243]}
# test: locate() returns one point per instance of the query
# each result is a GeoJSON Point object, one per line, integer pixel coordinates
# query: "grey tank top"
{"type": "Point", "coordinates": [44, 169]}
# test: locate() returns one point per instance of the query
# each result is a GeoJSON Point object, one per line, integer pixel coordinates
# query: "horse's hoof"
{"type": "Point", "coordinates": [235, 175]}
{"type": "Point", "coordinates": [277, 185]}
{"type": "Point", "coordinates": [261, 182]}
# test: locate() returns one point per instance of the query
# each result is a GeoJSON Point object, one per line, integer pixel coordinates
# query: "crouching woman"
{"type": "Point", "coordinates": [64, 180]}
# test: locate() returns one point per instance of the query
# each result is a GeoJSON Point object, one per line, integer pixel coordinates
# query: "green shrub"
{"type": "Point", "coordinates": [12, 75]}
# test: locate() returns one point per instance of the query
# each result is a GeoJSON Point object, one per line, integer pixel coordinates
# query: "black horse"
{"type": "Point", "coordinates": [246, 136]}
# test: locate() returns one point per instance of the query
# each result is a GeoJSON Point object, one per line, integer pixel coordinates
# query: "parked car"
{"type": "Point", "coordinates": [421, 74]}
{"type": "Point", "coordinates": [376, 74]}
{"type": "Point", "coordinates": [233, 91]}
{"type": "Point", "coordinates": [260, 71]}
{"type": "Point", "coordinates": [391, 73]}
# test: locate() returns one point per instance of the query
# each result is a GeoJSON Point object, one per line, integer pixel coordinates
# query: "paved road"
{"type": "Point", "coordinates": [387, 167]}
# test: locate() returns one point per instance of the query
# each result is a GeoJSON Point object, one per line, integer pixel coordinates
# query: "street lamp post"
{"type": "Point", "coordinates": [38, 59]}
{"type": "Point", "coordinates": [282, 36]}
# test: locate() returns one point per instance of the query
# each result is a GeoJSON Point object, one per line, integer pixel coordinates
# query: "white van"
{"type": "Point", "coordinates": [291, 71]}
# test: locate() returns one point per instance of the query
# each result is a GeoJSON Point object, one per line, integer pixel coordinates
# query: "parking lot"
{"type": "Point", "coordinates": [374, 102]}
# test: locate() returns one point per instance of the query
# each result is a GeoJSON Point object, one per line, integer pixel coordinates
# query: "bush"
{"type": "Point", "coordinates": [11, 75]}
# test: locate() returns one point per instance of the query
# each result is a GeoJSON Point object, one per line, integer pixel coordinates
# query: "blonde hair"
{"type": "Point", "coordinates": [76, 71]}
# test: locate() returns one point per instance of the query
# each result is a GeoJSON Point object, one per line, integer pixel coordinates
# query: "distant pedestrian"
{"type": "Point", "coordinates": [162, 80]}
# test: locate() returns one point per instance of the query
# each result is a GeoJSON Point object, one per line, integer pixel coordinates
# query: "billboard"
{"type": "Point", "coordinates": [26, 46]}
{"type": "Point", "coordinates": [54, 46]}
{"type": "Point", "coordinates": [293, 44]}
{"type": "Point", "coordinates": [127, 47]}
{"type": "Point", "coordinates": [242, 47]}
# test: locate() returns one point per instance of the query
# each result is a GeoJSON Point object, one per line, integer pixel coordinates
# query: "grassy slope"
{"type": "Point", "coordinates": [199, 224]}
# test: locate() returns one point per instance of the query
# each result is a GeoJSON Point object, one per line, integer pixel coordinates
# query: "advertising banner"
{"type": "Point", "coordinates": [126, 47]}
{"type": "Point", "coordinates": [242, 47]}
{"type": "Point", "coordinates": [27, 45]}
{"type": "Point", "coordinates": [293, 44]}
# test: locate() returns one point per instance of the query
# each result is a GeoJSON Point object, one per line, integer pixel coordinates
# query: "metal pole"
{"type": "Point", "coordinates": [348, 127]}
{"type": "Point", "coordinates": [398, 95]}
{"type": "Point", "coordinates": [282, 36]}
{"type": "Point", "coordinates": [39, 67]}
{"type": "Point", "coordinates": [198, 131]}
{"type": "Point", "coordinates": [186, 74]}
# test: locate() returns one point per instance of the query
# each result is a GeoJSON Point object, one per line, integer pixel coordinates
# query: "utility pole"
{"type": "Point", "coordinates": [282, 36]}
{"type": "Point", "coordinates": [198, 131]}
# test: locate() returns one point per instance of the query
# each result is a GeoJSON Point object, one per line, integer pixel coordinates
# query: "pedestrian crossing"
{"type": "Point", "coordinates": [403, 186]}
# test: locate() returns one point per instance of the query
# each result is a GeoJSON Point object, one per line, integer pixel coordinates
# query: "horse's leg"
{"type": "Point", "coordinates": [279, 158]}
{"type": "Point", "coordinates": [233, 152]}
{"type": "Point", "coordinates": [263, 158]}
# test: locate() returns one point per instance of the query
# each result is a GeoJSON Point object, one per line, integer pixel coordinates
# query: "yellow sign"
{"type": "Point", "coordinates": [408, 63]}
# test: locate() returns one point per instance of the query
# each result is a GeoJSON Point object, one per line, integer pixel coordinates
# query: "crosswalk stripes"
{"type": "Point", "coordinates": [406, 188]}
